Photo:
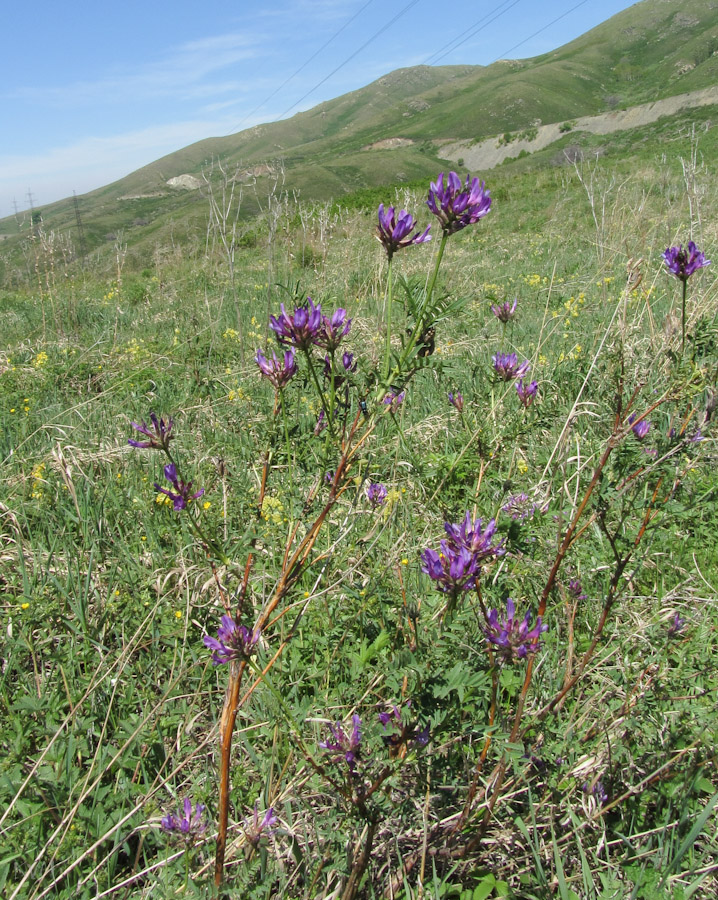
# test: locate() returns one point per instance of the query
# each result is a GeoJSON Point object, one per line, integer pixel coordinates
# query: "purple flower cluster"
{"type": "Point", "coordinates": [232, 642]}
{"type": "Point", "coordinates": [182, 493]}
{"type": "Point", "coordinates": [258, 827]}
{"type": "Point", "coordinates": [392, 232]}
{"type": "Point", "coordinates": [277, 373]}
{"type": "Point", "coordinates": [526, 392]}
{"type": "Point", "coordinates": [396, 732]}
{"type": "Point", "coordinates": [575, 589]}
{"type": "Point", "coordinates": [376, 494]}
{"type": "Point", "coordinates": [505, 311]}
{"type": "Point", "coordinates": [188, 826]}
{"type": "Point", "coordinates": [683, 263]}
{"type": "Point", "coordinates": [456, 208]}
{"type": "Point", "coordinates": [457, 401]}
{"type": "Point", "coordinates": [307, 327]}
{"type": "Point", "coordinates": [512, 636]}
{"type": "Point", "coordinates": [640, 429]}
{"type": "Point", "coordinates": [394, 399]}
{"type": "Point", "coordinates": [506, 366]}
{"type": "Point", "coordinates": [677, 625]}
{"type": "Point", "coordinates": [520, 507]}
{"type": "Point", "coordinates": [345, 745]}
{"type": "Point", "coordinates": [159, 434]}
{"type": "Point", "coordinates": [457, 565]}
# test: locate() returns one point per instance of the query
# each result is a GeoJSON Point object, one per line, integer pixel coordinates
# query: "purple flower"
{"type": "Point", "coordinates": [277, 373]}
{"type": "Point", "coordinates": [300, 330]}
{"type": "Point", "coordinates": [457, 401]}
{"type": "Point", "coordinates": [321, 423]}
{"type": "Point", "coordinates": [683, 263]}
{"type": "Point", "coordinates": [343, 744]}
{"type": "Point", "coordinates": [469, 536]}
{"type": "Point", "coordinates": [598, 791]}
{"type": "Point", "coordinates": [397, 733]}
{"type": "Point", "coordinates": [640, 429]}
{"type": "Point", "coordinates": [392, 232]}
{"type": "Point", "coordinates": [520, 507]}
{"type": "Point", "coordinates": [677, 625]}
{"type": "Point", "coordinates": [188, 826]}
{"type": "Point", "coordinates": [512, 636]}
{"type": "Point", "coordinates": [376, 494]}
{"type": "Point", "coordinates": [181, 495]}
{"type": "Point", "coordinates": [232, 642]}
{"type": "Point", "coordinates": [506, 366]}
{"type": "Point", "coordinates": [505, 311]}
{"type": "Point", "coordinates": [348, 362]}
{"type": "Point", "coordinates": [257, 827]}
{"type": "Point", "coordinates": [333, 329]}
{"type": "Point", "coordinates": [159, 434]}
{"type": "Point", "coordinates": [454, 208]}
{"type": "Point", "coordinates": [527, 393]}
{"type": "Point", "coordinates": [575, 589]}
{"type": "Point", "coordinates": [453, 569]}
{"type": "Point", "coordinates": [394, 400]}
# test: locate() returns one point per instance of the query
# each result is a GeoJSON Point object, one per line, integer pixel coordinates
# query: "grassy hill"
{"type": "Point", "coordinates": [652, 50]}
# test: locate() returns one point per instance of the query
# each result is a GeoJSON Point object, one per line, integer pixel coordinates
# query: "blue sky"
{"type": "Point", "coordinates": [90, 92]}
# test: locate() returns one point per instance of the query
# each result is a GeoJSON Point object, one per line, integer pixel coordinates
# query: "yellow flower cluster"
{"type": "Point", "coordinates": [272, 510]}
{"type": "Point", "coordinates": [40, 360]}
{"type": "Point", "coordinates": [38, 481]}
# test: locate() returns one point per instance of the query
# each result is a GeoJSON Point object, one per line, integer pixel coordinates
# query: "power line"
{"type": "Point", "coordinates": [303, 65]}
{"type": "Point", "coordinates": [351, 57]}
{"type": "Point", "coordinates": [505, 54]}
{"type": "Point", "coordinates": [474, 28]}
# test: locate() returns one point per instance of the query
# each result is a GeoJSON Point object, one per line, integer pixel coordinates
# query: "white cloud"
{"type": "Point", "coordinates": [93, 162]}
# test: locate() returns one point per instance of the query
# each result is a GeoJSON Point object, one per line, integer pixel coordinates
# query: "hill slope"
{"type": "Point", "coordinates": [393, 129]}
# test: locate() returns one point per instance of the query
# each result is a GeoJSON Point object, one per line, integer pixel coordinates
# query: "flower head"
{"type": "Point", "coordinates": [470, 536]}
{"type": "Point", "coordinates": [232, 642]}
{"type": "Point", "coordinates": [277, 373]}
{"type": "Point", "coordinates": [159, 434]}
{"type": "Point", "coordinates": [454, 570]}
{"type": "Point", "coordinates": [526, 392]}
{"type": "Point", "coordinates": [394, 400]}
{"type": "Point", "coordinates": [575, 589]}
{"type": "Point", "coordinates": [506, 366]}
{"type": "Point", "coordinates": [640, 429]}
{"type": "Point", "coordinates": [677, 625]}
{"type": "Point", "coordinates": [456, 208]}
{"type": "Point", "coordinates": [182, 493]}
{"type": "Point", "coordinates": [257, 827]}
{"type": "Point", "coordinates": [457, 401]}
{"type": "Point", "coordinates": [520, 507]}
{"type": "Point", "coordinates": [683, 263]}
{"type": "Point", "coordinates": [376, 494]}
{"type": "Point", "coordinates": [333, 329]}
{"type": "Point", "coordinates": [188, 826]}
{"type": "Point", "coordinates": [505, 311]}
{"type": "Point", "coordinates": [301, 329]}
{"type": "Point", "coordinates": [392, 232]}
{"type": "Point", "coordinates": [397, 732]}
{"type": "Point", "coordinates": [512, 636]}
{"type": "Point", "coordinates": [343, 744]}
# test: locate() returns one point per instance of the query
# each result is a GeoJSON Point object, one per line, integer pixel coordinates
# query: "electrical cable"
{"type": "Point", "coordinates": [351, 57]}
{"type": "Point", "coordinates": [474, 28]}
{"type": "Point", "coordinates": [525, 40]}
{"type": "Point", "coordinates": [302, 67]}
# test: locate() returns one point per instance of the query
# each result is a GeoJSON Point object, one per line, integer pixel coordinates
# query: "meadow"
{"type": "Point", "coordinates": [380, 712]}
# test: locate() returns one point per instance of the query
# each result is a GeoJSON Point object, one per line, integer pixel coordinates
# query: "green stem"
{"type": "Point", "coordinates": [320, 392]}
{"type": "Point", "coordinates": [388, 301]}
{"type": "Point", "coordinates": [420, 321]}
{"type": "Point", "coordinates": [286, 434]}
{"type": "Point", "coordinates": [683, 317]}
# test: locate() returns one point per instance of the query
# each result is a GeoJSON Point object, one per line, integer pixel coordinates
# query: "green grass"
{"type": "Point", "coordinates": [109, 706]}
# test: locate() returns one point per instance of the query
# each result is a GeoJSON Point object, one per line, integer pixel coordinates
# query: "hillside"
{"type": "Point", "coordinates": [394, 129]}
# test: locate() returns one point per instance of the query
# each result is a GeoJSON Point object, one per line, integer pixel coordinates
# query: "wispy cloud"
{"type": "Point", "coordinates": [93, 162]}
{"type": "Point", "coordinates": [182, 73]}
